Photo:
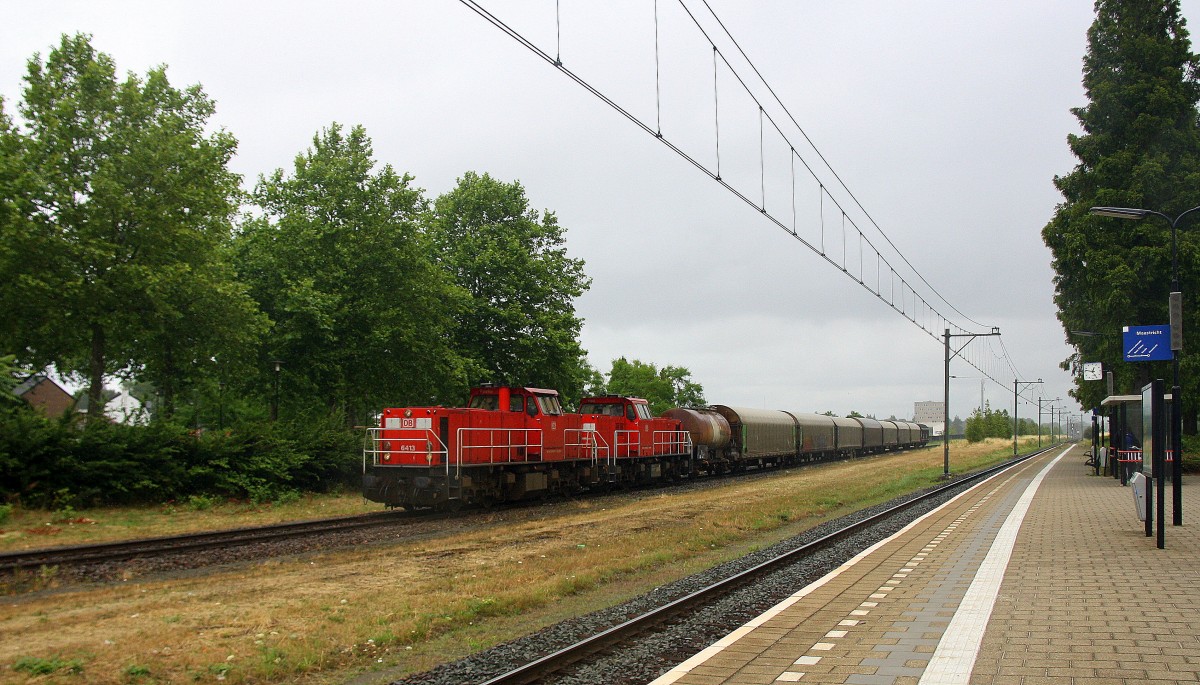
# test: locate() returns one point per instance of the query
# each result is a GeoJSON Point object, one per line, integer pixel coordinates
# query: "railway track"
{"type": "Point", "coordinates": [74, 555]}
{"type": "Point", "coordinates": [145, 548]}
{"type": "Point", "coordinates": [544, 668]}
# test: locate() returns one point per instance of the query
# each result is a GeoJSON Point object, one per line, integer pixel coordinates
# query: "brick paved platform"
{"type": "Point", "coordinates": [1042, 575]}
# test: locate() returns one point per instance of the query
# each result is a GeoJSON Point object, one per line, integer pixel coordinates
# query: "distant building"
{"type": "Point", "coordinates": [42, 393]}
{"type": "Point", "coordinates": [929, 413]}
{"type": "Point", "coordinates": [932, 414]}
{"type": "Point", "coordinates": [125, 408]}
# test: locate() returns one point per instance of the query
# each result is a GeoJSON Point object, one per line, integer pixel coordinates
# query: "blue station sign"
{"type": "Point", "coordinates": [1147, 343]}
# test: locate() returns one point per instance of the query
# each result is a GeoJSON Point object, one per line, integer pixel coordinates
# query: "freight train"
{"type": "Point", "coordinates": [513, 443]}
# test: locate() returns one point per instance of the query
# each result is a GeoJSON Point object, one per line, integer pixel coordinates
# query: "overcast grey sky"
{"type": "Point", "coordinates": [946, 119]}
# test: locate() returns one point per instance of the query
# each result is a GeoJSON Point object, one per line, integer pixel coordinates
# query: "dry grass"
{"type": "Point", "coordinates": [34, 528]}
{"type": "Point", "coordinates": [392, 609]}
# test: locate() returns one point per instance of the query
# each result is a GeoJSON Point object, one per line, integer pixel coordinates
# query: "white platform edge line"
{"type": "Point", "coordinates": [704, 655]}
{"type": "Point", "coordinates": [954, 658]}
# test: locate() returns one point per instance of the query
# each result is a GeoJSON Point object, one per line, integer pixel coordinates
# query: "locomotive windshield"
{"type": "Point", "coordinates": [604, 409]}
{"type": "Point", "coordinates": [549, 405]}
{"type": "Point", "coordinates": [491, 402]}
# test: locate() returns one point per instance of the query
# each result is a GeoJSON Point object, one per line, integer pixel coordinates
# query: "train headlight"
{"type": "Point", "coordinates": [408, 413]}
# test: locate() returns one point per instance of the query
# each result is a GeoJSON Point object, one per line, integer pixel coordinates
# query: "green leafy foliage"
{"type": "Point", "coordinates": [995, 424]}
{"type": "Point", "coordinates": [343, 290]}
{"type": "Point", "coordinates": [519, 324]}
{"type": "Point", "coordinates": [118, 200]}
{"type": "Point", "coordinates": [341, 264]}
{"type": "Point", "coordinates": [58, 464]}
{"type": "Point", "coordinates": [670, 386]}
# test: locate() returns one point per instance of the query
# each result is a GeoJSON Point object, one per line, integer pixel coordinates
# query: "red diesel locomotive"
{"type": "Point", "coordinates": [516, 443]}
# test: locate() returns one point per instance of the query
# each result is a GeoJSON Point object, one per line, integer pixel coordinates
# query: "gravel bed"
{"type": "Point", "coordinates": [655, 653]}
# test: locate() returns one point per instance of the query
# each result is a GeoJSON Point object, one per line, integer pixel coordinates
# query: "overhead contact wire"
{"type": "Point", "coordinates": [822, 157]}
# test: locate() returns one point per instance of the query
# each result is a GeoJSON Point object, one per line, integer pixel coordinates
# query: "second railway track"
{"type": "Point", "coordinates": [188, 542]}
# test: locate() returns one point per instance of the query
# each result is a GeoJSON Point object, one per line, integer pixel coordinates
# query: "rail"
{"type": "Point", "coordinates": [672, 442]}
{"type": "Point", "coordinates": [538, 669]}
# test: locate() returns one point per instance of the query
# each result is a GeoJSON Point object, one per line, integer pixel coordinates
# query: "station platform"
{"type": "Point", "coordinates": [1043, 574]}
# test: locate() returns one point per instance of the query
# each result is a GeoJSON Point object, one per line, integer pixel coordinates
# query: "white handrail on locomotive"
{"type": "Point", "coordinates": [672, 442]}
{"type": "Point", "coordinates": [506, 448]}
{"type": "Point", "coordinates": [379, 446]}
{"type": "Point", "coordinates": [629, 443]}
{"type": "Point", "coordinates": [589, 443]}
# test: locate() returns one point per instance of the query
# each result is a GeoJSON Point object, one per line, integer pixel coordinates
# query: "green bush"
{"type": "Point", "coordinates": [61, 465]}
{"type": "Point", "coordinates": [1191, 453]}
{"type": "Point", "coordinates": [38, 666]}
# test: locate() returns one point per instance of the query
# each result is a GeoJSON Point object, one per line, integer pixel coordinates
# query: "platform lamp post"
{"type": "Point", "coordinates": [946, 397]}
{"type": "Point", "coordinates": [1016, 393]}
{"type": "Point", "coordinates": [1175, 307]}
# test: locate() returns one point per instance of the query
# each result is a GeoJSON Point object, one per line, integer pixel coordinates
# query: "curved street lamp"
{"type": "Point", "coordinates": [1175, 306]}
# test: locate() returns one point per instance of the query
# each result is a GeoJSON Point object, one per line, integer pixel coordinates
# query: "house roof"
{"type": "Point", "coordinates": [29, 384]}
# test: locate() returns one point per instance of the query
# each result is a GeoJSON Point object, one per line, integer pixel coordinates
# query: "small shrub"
{"type": "Point", "coordinates": [38, 666]}
{"type": "Point", "coordinates": [64, 515]}
{"type": "Point", "coordinates": [5, 513]}
{"type": "Point", "coordinates": [287, 497]}
{"type": "Point", "coordinates": [201, 502]}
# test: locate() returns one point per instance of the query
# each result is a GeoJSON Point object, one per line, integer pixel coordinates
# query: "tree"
{"type": "Point", "coordinates": [519, 325]}
{"type": "Point", "coordinates": [956, 426]}
{"type": "Point", "coordinates": [1139, 148]}
{"type": "Point", "coordinates": [339, 261]}
{"type": "Point", "coordinates": [664, 388]}
{"type": "Point", "coordinates": [116, 203]}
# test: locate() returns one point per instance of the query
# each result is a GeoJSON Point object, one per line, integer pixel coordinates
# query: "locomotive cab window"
{"type": "Point", "coordinates": [490, 402]}
{"type": "Point", "coordinates": [630, 412]}
{"type": "Point", "coordinates": [643, 411]}
{"type": "Point", "coordinates": [516, 404]}
{"type": "Point", "coordinates": [549, 405]}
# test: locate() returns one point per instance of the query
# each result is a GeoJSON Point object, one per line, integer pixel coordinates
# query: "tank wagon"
{"type": "Point", "coordinates": [512, 443]}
